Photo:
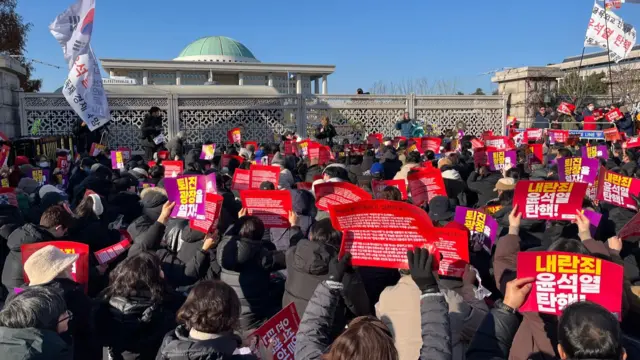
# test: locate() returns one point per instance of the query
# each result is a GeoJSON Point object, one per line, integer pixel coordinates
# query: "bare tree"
{"type": "Point", "coordinates": [579, 88]}
{"type": "Point", "coordinates": [626, 83]}
{"type": "Point", "coordinates": [419, 86]}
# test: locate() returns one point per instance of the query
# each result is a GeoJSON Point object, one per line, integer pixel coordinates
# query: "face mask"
{"type": "Point", "coordinates": [44, 164]}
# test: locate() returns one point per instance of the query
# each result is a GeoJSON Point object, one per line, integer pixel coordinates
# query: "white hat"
{"type": "Point", "coordinates": [46, 264]}
{"type": "Point", "coordinates": [45, 189]}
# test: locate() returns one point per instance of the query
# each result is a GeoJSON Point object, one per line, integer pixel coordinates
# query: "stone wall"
{"type": "Point", "coordinates": [9, 89]}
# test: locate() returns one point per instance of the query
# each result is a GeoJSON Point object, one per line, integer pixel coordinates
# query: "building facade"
{"type": "Point", "coordinates": [219, 60]}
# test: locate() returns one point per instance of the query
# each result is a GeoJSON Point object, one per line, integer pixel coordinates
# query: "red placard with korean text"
{"type": "Point", "coordinates": [378, 185]}
{"type": "Point", "coordinates": [533, 134]}
{"type": "Point", "coordinates": [631, 229]}
{"type": "Point", "coordinates": [80, 269]}
{"type": "Point", "coordinates": [611, 134]}
{"type": "Point", "coordinates": [431, 143]}
{"type": "Point", "coordinates": [425, 184]}
{"type": "Point", "coordinates": [566, 108]}
{"type": "Point", "coordinates": [260, 173]}
{"type": "Point", "coordinates": [565, 278]}
{"type": "Point", "coordinates": [476, 144]}
{"type": "Point", "coordinates": [212, 208]}
{"type": "Point", "coordinates": [163, 155]}
{"type": "Point", "coordinates": [498, 143]}
{"type": "Point", "coordinates": [549, 200]}
{"type": "Point", "coordinates": [338, 193]}
{"type": "Point", "coordinates": [453, 245]}
{"type": "Point", "coordinates": [111, 253]}
{"type": "Point", "coordinates": [379, 232]}
{"type": "Point", "coordinates": [271, 206]}
{"type": "Point", "coordinates": [617, 189]}
{"type": "Point", "coordinates": [234, 136]}
{"type": "Point", "coordinates": [614, 115]}
{"type": "Point", "coordinates": [173, 168]}
{"type": "Point", "coordinates": [375, 139]}
{"type": "Point", "coordinates": [631, 142]}
{"type": "Point", "coordinates": [279, 332]}
{"type": "Point", "coordinates": [558, 136]}
{"type": "Point", "coordinates": [534, 154]}
{"type": "Point", "coordinates": [226, 158]}
{"type": "Point", "coordinates": [241, 180]}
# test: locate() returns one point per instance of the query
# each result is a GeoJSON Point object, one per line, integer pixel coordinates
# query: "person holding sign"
{"type": "Point", "coordinates": [325, 132]}
{"type": "Point", "coordinates": [150, 129]}
{"type": "Point", "coordinates": [368, 337]}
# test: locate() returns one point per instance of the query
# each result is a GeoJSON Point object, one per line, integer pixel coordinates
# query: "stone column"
{"type": "Point", "coordinates": [145, 77]}
{"type": "Point", "coordinates": [324, 85]}
{"type": "Point", "coordinates": [270, 79]}
{"type": "Point", "coordinates": [178, 77]}
{"type": "Point", "coordinates": [240, 79]}
{"type": "Point", "coordinates": [298, 84]}
{"type": "Point", "coordinates": [316, 86]}
{"type": "Point", "coordinates": [111, 73]}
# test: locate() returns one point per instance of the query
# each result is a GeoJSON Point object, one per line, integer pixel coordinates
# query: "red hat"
{"type": "Point", "coordinates": [21, 160]}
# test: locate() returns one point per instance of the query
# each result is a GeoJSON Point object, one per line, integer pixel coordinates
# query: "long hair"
{"type": "Point", "coordinates": [366, 338]}
{"type": "Point", "coordinates": [140, 276]}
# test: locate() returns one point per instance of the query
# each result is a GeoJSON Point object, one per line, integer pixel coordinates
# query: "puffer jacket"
{"type": "Point", "coordinates": [31, 343]}
{"type": "Point", "coordinates": [246, 266]}
{"type": "Point", "coordinates": [146, 231]}
{"type": "Point", "coordinates": [133, 328]}
{"type": "Point", "coordinates": [177, 345]}
{"type": "Point", "coordinates": [313, 340]}
{"type": "Point", "coordinates": [10, 220]}
{"type": "Point", "coordinates": [308, 266]}
{"type": "Point", "coordinates": [191, 242]}
{"type": "Point", "coordinates": [93, 232]}
{"type": "Point", "coordinates": [26, 234]}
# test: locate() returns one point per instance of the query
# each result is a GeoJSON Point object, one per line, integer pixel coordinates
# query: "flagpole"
{"type": "Point", "coordinates": [579, 77]}
{"type": "Point", "coordinates": [606, 27]}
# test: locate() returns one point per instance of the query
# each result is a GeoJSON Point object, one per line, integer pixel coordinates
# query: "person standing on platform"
{"type": "Point", "coordinates": [151, 128]}
{"type": "Point", "coordinates": [325, 132]}
{"type": "Point", "coordinates": [542, 119]}
{"type": "Point", "coordinates": [406, 126]}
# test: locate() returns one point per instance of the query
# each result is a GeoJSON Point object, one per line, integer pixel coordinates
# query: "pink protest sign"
{"type": "Point", "coordinates": [499, 160]}
{"type": "Point", "coordinates": [578, 169]}
{"type": "Point", "coordinates": [188, 193]}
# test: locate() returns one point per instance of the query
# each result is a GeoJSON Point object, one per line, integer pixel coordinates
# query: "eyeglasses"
{"type": "Point", "coordinates": [68, 317]}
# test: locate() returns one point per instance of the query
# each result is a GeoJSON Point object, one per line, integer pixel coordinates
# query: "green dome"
{"type": "Point", "coordinates": [212, 47]}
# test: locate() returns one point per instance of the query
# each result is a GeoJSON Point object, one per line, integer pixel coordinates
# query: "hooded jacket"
{"type": "Point", "coordinates": [246, 266]}
{"type": "Point", "coordinates": [27, 234]}
{"type": "Point", "coordinates": [35, 344]}
{"type": "Point", "coordinates": [177, 345]}
{"type": "Point", "coordinates": [146, 231]}
{"type": "Point", "coordinates": [308, 266]}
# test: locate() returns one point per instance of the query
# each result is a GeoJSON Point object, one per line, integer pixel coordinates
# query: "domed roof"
{"type": "Point", "coordinates": [217, 48]}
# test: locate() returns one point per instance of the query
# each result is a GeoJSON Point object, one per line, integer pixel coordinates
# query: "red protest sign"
{"type": "Point", "coordinates": [534, 153]}
{"type": "Point", "coordinates": [453, 245]}
{"type": "Point", "coordinates": [630, 229]}
{"type": "Point", "coordinates": [487, 134]}
{"type": "Point", "coordinates": [279, 333]}
{"type": "Point", "coordinates": [271, 206]}
{"type": "Point", "coordinates": [558, 136]}
{"type": "Point", "coordinates": [533, 134]}
{"type": "Point", "coordinates": [375, 139]}
{"type": "Point", "coordinates": [476, 144]}
{"type": "Point", "coordinates": [338, 193]}
{"type": "Point", "coordinates": [378, 185]}
{"type": "Point", "coordinates": [565, 278]}
{"type": "Point", "coordinates": [379, 232]}
{"type": "Point", "coordinates": [631, 142]}
{"type": "Point", "coordinates": [112, 252]}
{"type": "Point", "coordinates": [261, 173]}
{"type": "Point", "coordinates": [226, 158]}
{"type": "Point", "coordinates": [549, 200]}
{"type": "Point", "coordinates": [290, 147]}
{"type": "Point", "coordinates": [499, 143]}
{"type": "Point", "coordinates": [241, 180]}
{"type": "Point", "coordinates": [212, 208]}
{"type": "Point", "coordinates": [431, 144]}
{"type": "Point", "coordinates": [319, 152]}
{"type": "Point", "coordinates": [566, 108]}
{"type": "Point", "coordinates": [597, 114]}
{"type": "Point", "coordinates": [617, 189]}
{"type": "Point", "coordinates": [234, 136]}
{"type": "Point", "coordinates": [96, 149]}
{"type": "Point", "coordinates": [614, 115]}
{"type": "Point", "coordinates": [589, 123]}
{"type": "Point", "coordinates": [425, 184]}
{"type": "Point", "coordinates": [80, 269]}
{"type": "Point", "coordinates": [611, 134]}
{"type": "Point", "coordinates": [173, 168]}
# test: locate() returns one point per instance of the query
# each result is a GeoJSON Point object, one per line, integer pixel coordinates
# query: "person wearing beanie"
{"type": "Point", "coordinates": [148, 229]}
{"type": "Point", "coordinates": [176, 146]}
{"type": "Point", "coordinates": [45, 189]}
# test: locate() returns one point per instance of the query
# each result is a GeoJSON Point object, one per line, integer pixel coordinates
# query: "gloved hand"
{"type": "Point", "coordinates": [420, 262]}
{"type": "Point", "coordinates": [338, 268]}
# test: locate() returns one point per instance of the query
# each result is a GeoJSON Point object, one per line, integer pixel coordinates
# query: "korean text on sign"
{"type": "Point", "coordinates": [576, 171]}
{"type": "Point", "coordinates": [280, 332]}
{"type": "Point", "coordinates": [549, 199]}
{"type": "Point", "coordinates": [615, 188]}
{"type": "Point", "coordinates": [190, 196]}
{"type": "Point", "coordinates": [562, 279]}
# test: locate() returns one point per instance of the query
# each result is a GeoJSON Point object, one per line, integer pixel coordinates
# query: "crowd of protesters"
{"type": "Point", "coordinates": [178, 293]}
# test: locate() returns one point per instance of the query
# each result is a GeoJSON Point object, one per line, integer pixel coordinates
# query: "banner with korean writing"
{"type": "Point", "coordinates": [319, 153]}
{"type": "Point", "coordinates": [80, 269]}
{"type": "Point", "coordinates": [379, 232]}
{"type": "Point", "coordinates": [594, 152]}
{"type": "Point", "coordinates": [278, 334]}
{"type": "Point", "coordinates": [338, 193]}
{"type": "Point", "coordinates": [226, 159]}
{"type": "Point", "coordinates": [234, 136]}
{"type": "Point", "coordinates": [533, 134]}
{"type": "Point", "coordinates": [261, 173]}
{"type": "Point", "coordinates": [612, 134]}
{"type": "Point", "coordinates": [187, 191]}
{"type": "Point", "coordinates": [41, 176]}
{"type": "Point", "coordinates": [578, 169]}
{"type": "Point", "coordinates": [549, 200]}
{"type": "Point", "coordinates": [617, 189]}
{"type": "Point", "coordinates": [208, 151]}
{"type": "Point", "coordinates": [425, 184]}
{"type": "Point", "coordinates": [558, 136]}
{"type": "Point", "coordinates": [498, 143]}
{"type": "Point", "coordinates": [565, 278]}
{"type": "Point", "coordinates": [117, 160]}
{"type": "Point", "coordinates": [609, 32]}
{"type": "Point", "coordinates": [483, 227]}
{"type": "Point", "coordinates": [535, 154]}
{"type": "Point", "coordinates": [96, 149]}
{"type": "Point", "coordinates": [631, 142]}
{"type": "Point", "coordinates": [431, 144]}
{"type": "Point", "coordinates": [126, 153]}
{"type": "Point", "coordinates": [111, 253]}
{"type": "Point", "coordinates": [172, 168]}
{"type": "Point", "coordinates": [212, 209]}
{"type": "Point", "coordinates": [378, 185]}
{"type": "Point", "coordinates": [271, 206]}
{"type": "Point", "coordinates": [614, 115]}
{"type": "Point", "coordinates": [566, 108]}
{"type": "Point", "coordinates": [241, 180]}
{"type": "Point", "coordinates": [453, 245]}
{"type": "Point", "coordinates": [499, 160]}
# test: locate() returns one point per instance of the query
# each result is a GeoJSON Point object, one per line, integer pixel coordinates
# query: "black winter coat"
{"type": "Point", "coordinates": [191, 242]}
{"type": "Point", "coordinates": [175, 148]}
{"type": "Point", "coordinates": [133, 328]}
{"type": "Point", "coordinates": [494, 337]}
{"type": "Point", "coordinates": [93, 232]}
{"type": "Point", "coordinates": [326, 134]}
{"type": "Point", "coordinates": [246, 267]}
{"type": "Point", "coordinates": [308, 266]}
{"type": "Point", "coordinates": [149, 130]}
{"type": "Point", "coordinates": [26, 234]}
{"type": "Point", "coordinates": [177, 345]}
{"type": "Point", "coordinates": [483, 186]}
{"type": "Point", "coordinates": [35, 344]}
{"type": "Point", "coordinates": [146, 231]}
{"type": "Point", "coordinates": [10, 220]}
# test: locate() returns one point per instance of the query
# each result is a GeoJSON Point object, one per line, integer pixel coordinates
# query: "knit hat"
{"type": "Point", "coordinates": [47, 189]}
{"type": "Point", "coordinates": [98, 209]}
{"type": "Point", "coordinates": [28, 185]}
{"type": "Point", "coordinates": [46, 264]}
{"type": "Point", "coordinates": [505, 184]}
